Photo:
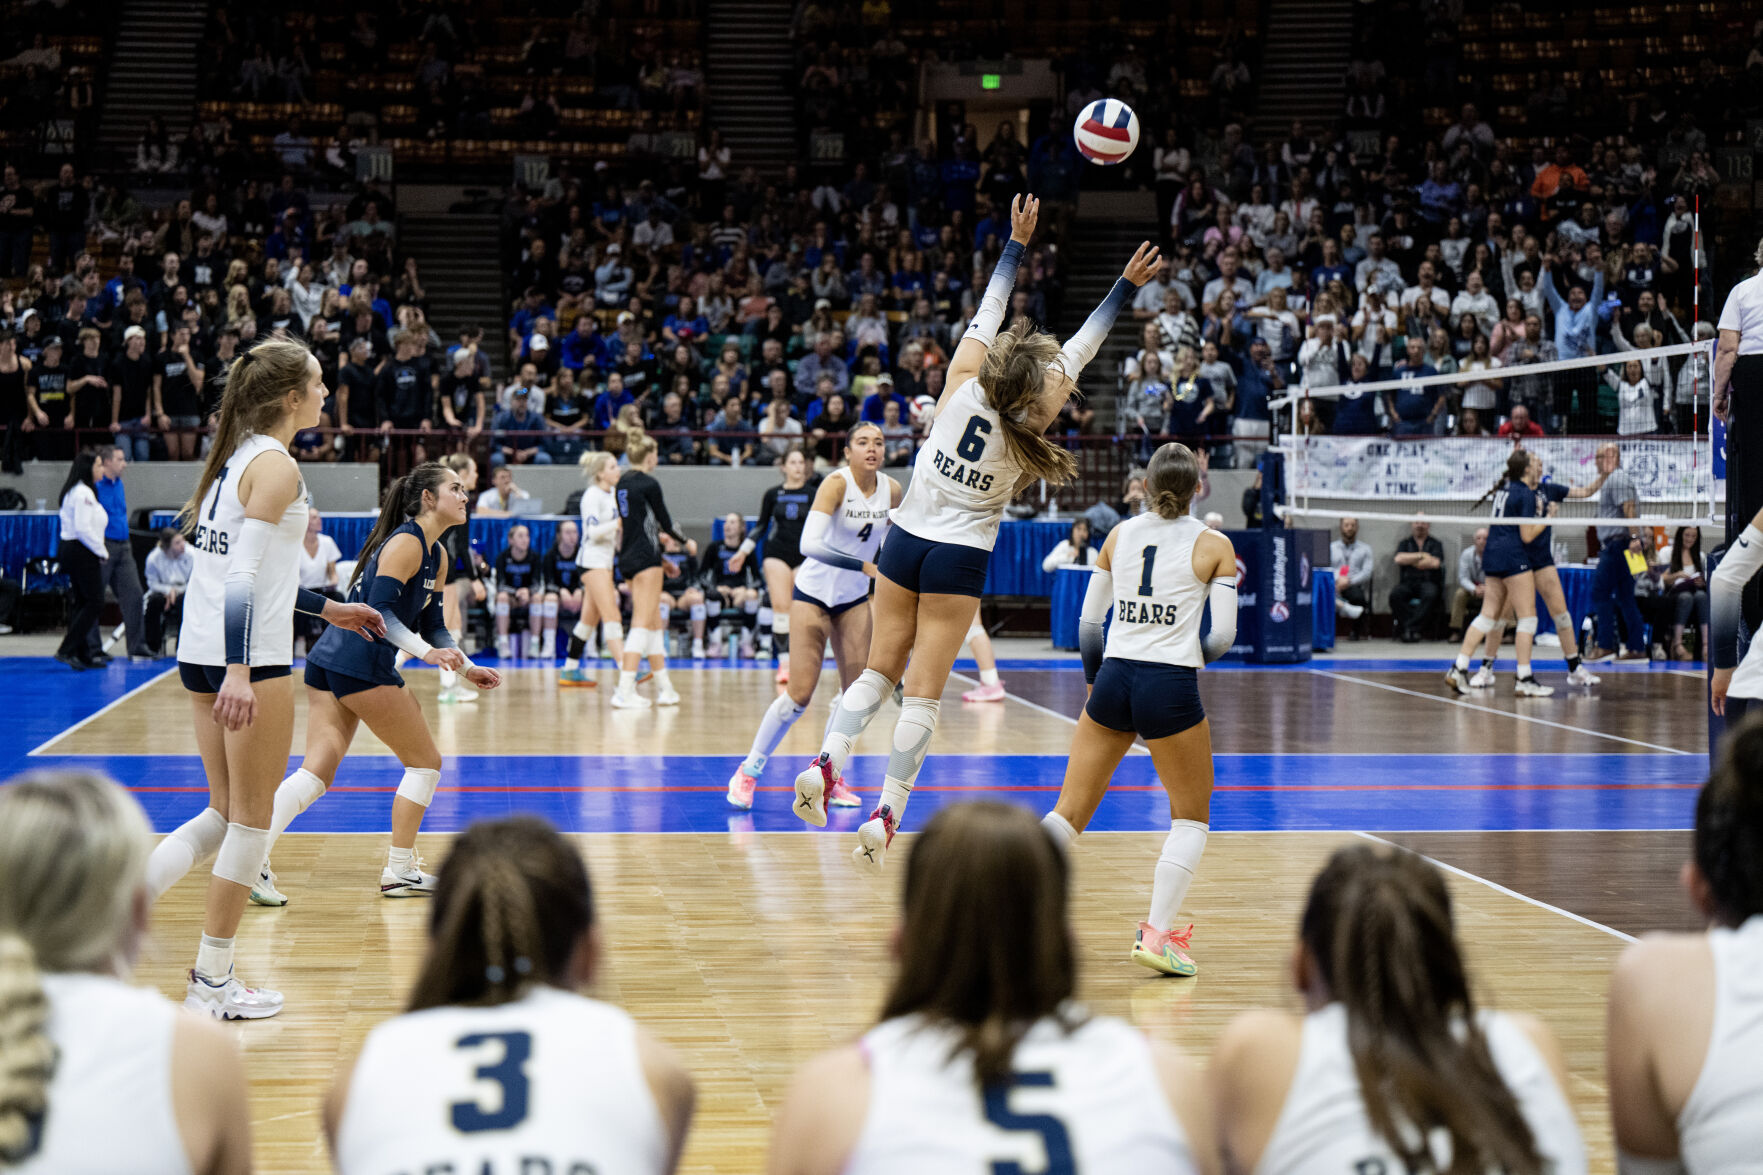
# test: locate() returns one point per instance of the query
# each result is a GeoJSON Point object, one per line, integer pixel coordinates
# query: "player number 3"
{"type": "Point", "coordinates": [509, 1072]}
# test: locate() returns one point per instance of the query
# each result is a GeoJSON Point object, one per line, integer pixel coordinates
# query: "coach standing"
{"type": "Point", "coordinates": [1614, 587]}
{"type": "Point", "coordinates": [121, 575]}
{"type": "Point", "coordinates": [1738, 402]}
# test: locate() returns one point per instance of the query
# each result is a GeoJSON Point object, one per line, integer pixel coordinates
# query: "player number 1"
{"type": "Point", "coordinates": [1149, 556]}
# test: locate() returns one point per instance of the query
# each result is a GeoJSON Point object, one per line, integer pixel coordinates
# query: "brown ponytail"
{"type": "Point", "coordinates": [1378, 927]}
{"type": "Point", "coordinates": [509, 910]}
{"type": "Point", "coordinates": [256, 384]}
{"type": "Point", "coordinates": [1517, 462]}
{"type": "Point", "coordinates": [984, 945]}
{"type": "Point", "coordinates": [403, 501]}
{"type": "Point", "coordinates": [1014, 375]}
{"type": "Point", "coordinates": [1172, 480]}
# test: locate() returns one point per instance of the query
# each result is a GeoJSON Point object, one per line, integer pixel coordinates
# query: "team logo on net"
{"type": "Point", "coordinates": [1279, 612]}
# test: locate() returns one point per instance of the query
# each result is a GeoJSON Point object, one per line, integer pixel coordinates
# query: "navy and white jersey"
{"type": "Point", "coordinates": [417, 608]}
{"type": "Point", "coordinates": [514, 572]}
{"type": "Point", "coordinates": [782, 515]}
{"type": "Point", "coordinates": [1505, 554]}
{"type": "Point", "coordinates": [562, 573]}
{"type": "Point", "coordinates": [963, 476]}
{"type": "Point", "coordinates": [1540, 550]}
{"type": "Point", "coordinates": [1158, 600]}
{"type": "Point", "coordinates": [857, 529]}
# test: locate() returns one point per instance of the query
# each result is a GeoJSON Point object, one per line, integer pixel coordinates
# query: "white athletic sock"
{"type": "Point", "coordinates": [661, 681]}
{"type": "Point", "coordinates": [1523, 669]}
{"type": "Point", "coordinates": [1060, 829]}
{"type": "Point", "coordinates": [1462, 662]}
{"type": "Point", "coordinates": [398, 860]}
{"type": "Point", "coordinates": [857, 708]}
{"type": "Point", "coordinates": [188, 845]}
{"type": "Point", "coordinates": [294, 796]}
{"type": "Point", "coordinates": [988, 677]}
{"type": "Point", "coordinates": [779, 717]}
{"type": "Point", "coordinates": [1175, 870]}
{"type": "Point", "coordinates": [214, 958]}
{"type": "Point", "coordinates": [918, 721]}
{"type": "Point", "coordinates": [627, 681]}
{"type": "Point", "coordinates": [449, 678]}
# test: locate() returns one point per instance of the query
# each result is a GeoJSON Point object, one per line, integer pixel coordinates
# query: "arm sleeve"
{"type": "Point", "coordinates": [1082, 346]}
{"type": "Point", "coordinates": [1223, 601]}
{"type": "Point", "coordinates": [434, 625]}
{"type": "Point", "coordinates": [763, 527]}
{"type": "Point", "coordinates": [309, 602]}
{"type": "Point", "coordinates": [383, 595]}
{"type": "Point", "coordinates": [983, 326]}
{"type": "Point", "coordinates": [1726, 591]}
{"type": "Point", "coordinates": [814, 544]}
{"type": "Point", "coordinates": [1098, 598]}
{"type": "Point", "coordinates": [241, 588]}
{"type": "Point", "coordinates": [659, 509]}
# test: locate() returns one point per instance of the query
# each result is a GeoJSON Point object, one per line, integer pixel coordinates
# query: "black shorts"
{"type": "Point", "coordinates": [945, 569]}
{"type": "Point", "coordinates": [342, 684]}
{"type": "Point", "coordinates": [1539, 555]}
{"type": "Point", "coordinates": [791, 557]}
{"type": "Point", "coordinates": [1501, 565]}
{"type": "Point", "coordinates": [207, 679]}
{"type": "Point", "coordinates": [633, 563]}
{"type": "Point", "coordinates": [1146, 698]}
{"type": "Point", "coordinates": [832, 612]}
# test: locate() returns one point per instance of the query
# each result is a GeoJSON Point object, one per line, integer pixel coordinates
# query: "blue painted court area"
{"type": "Point", "coordinates": [682, 793]}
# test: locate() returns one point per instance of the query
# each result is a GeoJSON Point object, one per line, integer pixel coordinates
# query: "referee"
{"type": "Point", "coordinates": [1738, 403]}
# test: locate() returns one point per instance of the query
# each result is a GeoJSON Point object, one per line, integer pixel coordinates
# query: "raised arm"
{"type": "Point", "coordinates": [982, 329]}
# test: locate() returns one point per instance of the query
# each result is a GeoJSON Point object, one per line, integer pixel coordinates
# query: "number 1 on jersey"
{"type": "Point", "coordinates": [1149, 557]}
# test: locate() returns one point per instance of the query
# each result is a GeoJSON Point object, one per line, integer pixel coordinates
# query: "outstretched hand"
{"type": "Point", "coordinates": [1143, 265]}
{"type": "Point", "coordinates": [1025, 211]}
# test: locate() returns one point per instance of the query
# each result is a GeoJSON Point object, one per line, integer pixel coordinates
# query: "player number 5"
{"type": "Point", "coordinates": [1054, 1139]}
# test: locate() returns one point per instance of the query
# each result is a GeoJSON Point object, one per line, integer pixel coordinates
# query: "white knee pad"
{"type": "Point", "coordinates": [666, 614]}
{"type": "Point", "coordinates": [713, 606]}
{"type": "Point", "coordinates": [611, 630]}
{"type": "Point", "coordinates": [751, 607]}
{"type": "Point", "coordinates": [549, 611]}
{"type": "Point", "coordinates": [1481, 623]}
{"type": "Point", "coordinates": [242, 853]}
{"type": "Point", "coordinates": [419, 784]}
{"type": "Point", "coordinates": [780, 623]}
{"type": "Point", "coordinates": [637, 642]}
{"type": "Point", "coordinates": [582, 632]}
{"type": "Point", "coordinates": [1563, 621]}
{"type": "Point", "coordinates": [1527, 625]}
{"type": "Point", "coordinates": [767, 618]}
{"type": "Point", "coordinates": [502, 606]}
{"type": "Point", "coordinates": [977, 629]}
{"type": "Point", "coordinates": [698, 612]}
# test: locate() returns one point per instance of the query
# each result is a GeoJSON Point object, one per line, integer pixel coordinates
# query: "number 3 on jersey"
{"type": "Point", "coordinates": [972, 445]}
{"type": "Point", "coordinates": [509, 1072]}
{"type": "Point", "coordinates": [1054, 1138]}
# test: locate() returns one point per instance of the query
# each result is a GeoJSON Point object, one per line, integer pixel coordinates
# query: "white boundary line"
{"type": "Point", "coordinates": [1137, 747]}
{"type": "Point", "coordinates": [1396, 689]}
{"type": "Point", "coordinates": [103, 710]}
{"type": "Point", "coordinates": [1511, 893]}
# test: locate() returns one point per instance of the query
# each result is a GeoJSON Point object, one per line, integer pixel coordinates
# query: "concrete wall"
{"type": "Point", "coordinates": [168, 483]}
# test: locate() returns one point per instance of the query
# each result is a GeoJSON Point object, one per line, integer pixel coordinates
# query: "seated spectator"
{"type": "Point", "coordinates": [827, 429]}
{"type": "Point", "coordinates": [498, 501]}
{"type": "Point", "coordinates": [819, 363]}
{"type": "Point", "coordinates": [1471, 583]}
{"type": "Point", "coordinates": [1469, 424]}
{"type": "Point", "coordinates": [1421, 582]}
{"type": "Point", "coordinates": [611, 401]}
{"type": "Point", "coordinates": [882, 395]}
{"type": "Point", "coordinates": [867, 326]}
{"type": "Point", "coordinates": [1685, 583]}
{"type": "Point", "coordinates": [169, 567]}
{"type": "Point", "coordinates": [1518, 425]}
{"type": "Point", "coordinates": [1074, 550]}
{"type": "Point", "coordinates": [518, 433]}
{"type": "Point", "coordinates": [779, 431]}
{"type": "Point", "coordinates": [729, 443]}
{"type": "Point", "coordinates": [672, 429]}
{"type": "Point", "coordinates": [1354, 564]}
{"type": "Point", "coordinates": [569, 414]}
{"type": "Point", "coordinates": [735, 590]}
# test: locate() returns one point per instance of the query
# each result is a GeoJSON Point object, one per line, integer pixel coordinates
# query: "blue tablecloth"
{"type": "Point", "coordinates": [27, 535]}
{"type": "Point", "coordinates": [1576, 587]}
{"type": "Point", "coordinates": [1322, 609]}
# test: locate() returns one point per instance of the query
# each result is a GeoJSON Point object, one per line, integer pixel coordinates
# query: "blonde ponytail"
{"type": "Point", "coordinates": [27, 1055]}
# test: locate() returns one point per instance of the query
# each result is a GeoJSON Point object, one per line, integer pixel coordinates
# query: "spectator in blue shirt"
{"type": "Point", "coordinates": [583, 344]}
{"type": "Point", "coordinates": [1333, 267]}
{"type": "Point", "coordinates": [1576, 316]}
{"type": "Point", "coordinates": [532, 308]}
{"type": "Point", "coordinates": [1258, 382]}
{"type": "Point", "coordinates": [119, 572]}
{"type": "Point", "coordinates": [1441, 197]}
{"type": "Point", "coordinates": [608, 402]}
{"type": "Point", "coordinates": [685, 323]}
{"type": "Point", "coordinates": [1417, 406]}
{"type": "Point", "coordinates": [821, 362]}
{"type": "Point", "coordinates": [875, 404]}
{"type": "Point", "coordinates": [518, 433]}
{"type": "Point", "coordinates": [959, 175]}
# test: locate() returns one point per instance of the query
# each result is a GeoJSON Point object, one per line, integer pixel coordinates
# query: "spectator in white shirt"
{"type": "Point", "coordinates": [1474, 299]}
{"type": "Point", "coordinates": [1151, 343]}
{"type": "Point", "coordinates": [83, 553]}
{"type": "Point", "coordinates": [1277, 325]}
{"type": "Point", "coordinates": [780, 432]}
{"type": "Point", "coordinates": [1374, 328]}
{"type": "Point", "coordinates": [1320, 358]}
{"type": "Point", "coordinates": [1073, 551]}
{"type": "Point", "coordinates": [1638, 402]}
{"type": "Point", "coordinates": [1425, 289]}
{"type": "Point", "coordinates": [1176, 328]}
{"type": "Point", "coordinates": [1255, 216]}
{"type": "Point", "coordinates": [1149, 300]}
{"type": "Point", "coordinates": [526, 379]}
{"type": "Point", "coordinates": [498, 501]}
{"type": "Point", "coordinates": [867, 327]}
{"type": "Point", "coordinates": [652, 233]}
{"type": "Point", "coordinates": [1377, 271]}
{"type": "Point", "coordinates": [1655, 368]}
{"type": "Point", "coordinates": [1230, 277]}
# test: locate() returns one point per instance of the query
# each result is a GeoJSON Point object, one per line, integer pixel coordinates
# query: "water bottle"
{"type": "Point", "coordinates": [734, 646]}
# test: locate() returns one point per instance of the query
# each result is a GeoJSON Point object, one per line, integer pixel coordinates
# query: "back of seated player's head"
{"type": "Point", "coordinates": [1725, 878]}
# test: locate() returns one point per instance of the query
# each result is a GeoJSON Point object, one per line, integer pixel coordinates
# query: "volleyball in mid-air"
{"type": "Point", "coordinates": [1106, 131]}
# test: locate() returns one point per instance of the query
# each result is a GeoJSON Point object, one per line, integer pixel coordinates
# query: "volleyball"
{"type": "Point", "coordinates": [1106, 131]}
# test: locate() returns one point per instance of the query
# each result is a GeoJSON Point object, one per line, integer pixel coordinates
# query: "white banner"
{"type": "Point", "coordinates": [1455, 468]}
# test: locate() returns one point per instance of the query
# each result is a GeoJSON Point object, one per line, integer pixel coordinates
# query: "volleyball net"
{"type": "Point", "coordinates": [1393, 450]}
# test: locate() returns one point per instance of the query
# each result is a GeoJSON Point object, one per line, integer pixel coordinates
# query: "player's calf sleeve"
{"type": "Point", "coordinates": [779, 717]}
{"type": "Point", "coordinates": [918, 721]}
{"type": "Point", "coordinates": [857, 708]}
{"type": "Point", "coordinates": [1176, 863]}
{"type": "Point", "coordinates": [191, 842]}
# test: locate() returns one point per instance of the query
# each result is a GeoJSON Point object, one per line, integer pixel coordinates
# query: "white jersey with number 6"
{"type": "Point", "coordinates": [220, 520]}
{"type": "Point", "coordinates": [548, 1082]}
{"type": "Point", "coordinates": [1085, 1100]}
{"type": "Point", "coordinates": [1158, 600]}
{"type": "Point", "coordinates": [1323, 1125]}
{"type": "Point", "coordinates": [963, 476]}
{"type": "Point", "coordinates": [857, 529]}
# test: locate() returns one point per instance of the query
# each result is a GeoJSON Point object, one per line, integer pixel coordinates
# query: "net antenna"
{"type": "Point", "coordinates": [1451, 479]}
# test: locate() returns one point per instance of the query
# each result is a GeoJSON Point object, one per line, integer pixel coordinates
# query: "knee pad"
{"type": "Point", "coordinates": [549, 610]}
{"type": "Point", "coordinates": [977, 629]}
{"type": "Point", "coordinates": [242, 853]}
{"type": "Point", "coordinates": [1481, 623]}
{"type": "Point", "coordinates": [751, 607]}
{"type": "Point", "coordinates": [419, 784]}
{"type": "Point", "coordinates": [503, 607]}
{"type": "Point", "coordinates": [780, 623]}
{"type": "Point", "coordinates": [666, 614]}
{"type": "Point", "coordinates": [1527, 625]}
{"type": "Point", "coordinates": [1563, 621]}
{"type": "Point", "coordinates": [698, 612]}
{"type": "Point", "coordinates": [713, 606]}
{"type": "Point", "coordinates": [767, 618]}
{"type": "Point", "coordinates": [637, 642]}
{"type": "Point", "coordinates": [582, 632]}
{"type": "Point", "coordinates": [611, 630]}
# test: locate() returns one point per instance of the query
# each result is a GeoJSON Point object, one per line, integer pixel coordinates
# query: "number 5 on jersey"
{"type": "Point", "coordinates": [1055, 1139]}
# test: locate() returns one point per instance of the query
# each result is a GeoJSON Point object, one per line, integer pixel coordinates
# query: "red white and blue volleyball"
{"type": "Point", "coordinates": [1106, 131]}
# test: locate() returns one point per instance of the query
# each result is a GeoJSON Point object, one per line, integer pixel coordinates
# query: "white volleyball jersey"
{"type": "Point", "coordinates": [1717, 1129]}
{"type": "Point", "coordinates": [963, 476]}
{"type": "Point", "coordinates": [220, 520]}
{"type": "Point", "coordinates": [1158, 600]}
{"type": "Point", "coordinates": [548, 1082]}
{"type": "Point", "coordinates": [857, 529]}
{"type": "Point", "coordinates": [1323, 1125]}
{"type": "Point", "coordinates": [1088, 1100]}
{"type": "Point", "coordinates": [110, 1106]}
{"type": "Point", "coordinates": [599, 506]}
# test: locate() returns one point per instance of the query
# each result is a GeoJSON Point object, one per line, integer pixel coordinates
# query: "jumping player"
{"type": "Point", "coordinates": [464, 578]}
{"type": "Point", "coordinates": [562, 577]}
{"type": "Point", "coordinates": [643, 518]}
{"type": "Point", "coordinates": [349, 682]}
{"type": "Point", "coordinates": [520, 589]}
{"type": "Point", "coordinates": [1158, 571]}
{"type": "Point", "coordinates": [1393, 1067]}
{"type": "Point", "coordinates": [1509, 579]}
{"type": "Point", "coordinates": [247, 523]}
{"type": "Point", "coordinates": [1002, 393]}
{"type": "Point", "coordinates": [983, 1060]}
{"type": "Point", "coordinates": [598, 554]}
{"type": "Point", "coordinates": [782, 513]}
{"type": "Point", "coordinates": [839, 540]}
{"type": "Point", "coordinates": [518, 1071]}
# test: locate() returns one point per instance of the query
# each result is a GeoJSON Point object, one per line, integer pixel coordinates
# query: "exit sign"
{"type": "Point", "coordinates": [990, 81]}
